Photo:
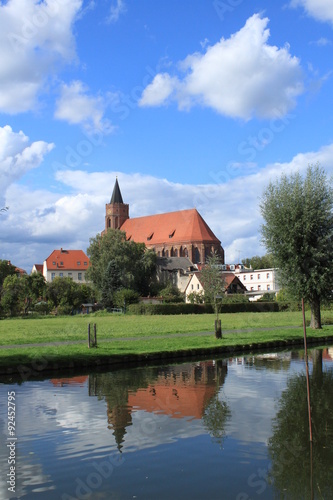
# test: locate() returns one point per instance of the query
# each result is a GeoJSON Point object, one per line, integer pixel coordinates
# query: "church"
{"type": "Point", "coordinates": [173, 234]}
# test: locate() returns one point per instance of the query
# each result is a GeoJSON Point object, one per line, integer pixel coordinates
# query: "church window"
{"type": "Point", "coordinates": [167, 253]}
{"type": "Point", "coordinates": [175, 252]}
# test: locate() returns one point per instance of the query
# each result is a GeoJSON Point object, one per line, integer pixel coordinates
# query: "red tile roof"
{"type": "Point", "coordinates": [39, 268]}
{"type": "Point", "coordinates": [172, 227]}
{"type": "Point", "coordinates": [68, 259]}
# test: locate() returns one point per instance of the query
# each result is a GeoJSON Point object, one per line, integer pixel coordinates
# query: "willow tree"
{"type": "Point", "coordinates": [298, 231]}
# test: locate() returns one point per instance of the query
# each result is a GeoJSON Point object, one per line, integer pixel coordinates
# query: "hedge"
{"type": "Point", "coordinates": [166, 309]}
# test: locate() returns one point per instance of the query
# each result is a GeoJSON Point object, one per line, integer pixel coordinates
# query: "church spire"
{"type": "Point", "coordinates": [116, 195]}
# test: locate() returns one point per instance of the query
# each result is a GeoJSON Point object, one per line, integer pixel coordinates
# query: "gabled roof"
{"type": "Point", "coordinates": [172, 227]}
{"type": "Point", "coordinates": [229, 278]}
{"type": "Point", "coordinates": [74, 260]}
{"type": "Point", "coordinates": [116, 195]}
{"type": "Point", "coordinates": [174, 263]}
{"type": "Point", "coordinates": [38, 268]}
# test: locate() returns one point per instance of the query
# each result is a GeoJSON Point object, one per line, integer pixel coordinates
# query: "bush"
{"type": "Point", "coordinates": [125, 295]}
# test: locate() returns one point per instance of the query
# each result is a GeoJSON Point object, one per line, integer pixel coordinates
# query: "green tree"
{"type": "Point", "coordinates": [68, 294]}
{"type": "Point", "coordinates": [259, 262]}
{"type": "Point", "coordinates": [171, 294]}
{"type": "Point", "coordinates": [6, 269]}
{"type": "Point", "coordinates": [11, 295]}
{"type": "Point", "coordinates": [298, 231]}
{"type": "Point", "coordinates": [134, 262]}
{"type": "Point", "coordinates": [214, 286]}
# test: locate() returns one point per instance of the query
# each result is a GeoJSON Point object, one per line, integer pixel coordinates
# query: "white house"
{"type": "Point", "coordinates": [232, 285]}
{"type": "Point", "coordinates": [66, 264]}
{"type": "Point", "coordinates": [258, 281]}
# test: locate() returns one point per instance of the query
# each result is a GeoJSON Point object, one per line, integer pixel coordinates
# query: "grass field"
{"type": "Point", "coordinates": [163, 332]}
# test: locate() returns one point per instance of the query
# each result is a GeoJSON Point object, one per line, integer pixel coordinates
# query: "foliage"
{"type": "Point", "coordinates": [293, 462]}
{"type": "Point", "coordinates": [171, 294]}
{"type": "Point", "coordinates": [213, 282]}
{"type": "Point", "coordinates": [298, 231]}
{"type": "Point", "coordinates": [132, 266]}
{"type": "Point", "coordinates": [259, 262]}
{"type": "Point", "coordinates": [196, 297]}
{"type": "Point", "coordinates": [11, 296]}
{"type": "Point", "coordinates": [68, 294]}
{"type": "Point", "coordinates": [6, 269]}
{"type": "Point", "coordinates": [124, 297]}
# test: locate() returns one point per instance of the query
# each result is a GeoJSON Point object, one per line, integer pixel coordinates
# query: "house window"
{"type": "Point", "coordinates": [70, 275]}
{"type": "Point", "coordinates": [79, 276]}
{"type": "Point", "coordinates": [267, 275]}
{"type": "Point", "coordinates": [61, 275]}
{"type": "Point", "coordinates": [61, 263]}
{"type": "Point", "coordinates": [244, 277]}
{"type": "Point", "coordinates": [258, 276]}
{"type": "Point", "coordinates": [78, 263]}
{"type": "Point", "coordinates": [268, 287]}
{"type": "Point", "coordinates": [52, 276]}
{"type": "Point", "coordinates": [198, 286]}
{"type": "Point", "coordinates": [53, 263]}
{"type": "Point", "coordinates": [259, 287]}
{"type": "Point", "coordinates": [252, 288]}
{"type": "Point", "coordinates": [192, 286]}
{"type": "Point", "coordinates": [85, 263]}
{"type": "Point", "coordinates": [251, 277]}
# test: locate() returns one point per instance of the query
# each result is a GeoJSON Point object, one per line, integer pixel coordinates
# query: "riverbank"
{"type": "Point", "coordinates": [36, 345]}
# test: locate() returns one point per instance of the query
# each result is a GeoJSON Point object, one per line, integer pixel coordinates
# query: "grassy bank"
{"type": "Point", "coordinates": [150, 336]}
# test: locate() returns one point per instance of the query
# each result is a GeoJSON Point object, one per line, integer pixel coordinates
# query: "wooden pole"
{"type": "Point", "coordinates": [88, 335]}
{"type": "Point", "coordinates": [95, 335]}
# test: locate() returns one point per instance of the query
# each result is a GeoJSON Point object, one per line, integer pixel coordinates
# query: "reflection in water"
{"type": "Point", "coordinates": [180, 391]}
{"type": "Point", "coordinates": [298, 469]}
{"type": "Point", "coordinates": [230, 428]}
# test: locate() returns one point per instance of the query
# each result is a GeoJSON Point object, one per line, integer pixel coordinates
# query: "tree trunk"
{"type": "Point", "coordinates": [315, 314]}
{"type": "Point", "coordinates": [218, 329]}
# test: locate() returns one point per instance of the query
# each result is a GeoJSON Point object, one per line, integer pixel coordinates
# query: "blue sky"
{"type": "Point", "coordinates": [192, 104]}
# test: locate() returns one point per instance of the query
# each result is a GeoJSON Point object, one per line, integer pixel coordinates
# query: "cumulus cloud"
{"type": "Point", "coordinates": [322, 10]}
{"type": "Point", "coordinates": [76, 106]}
{"type": "Point", "coordinates": [40, 221]}
{"type": "Point", "coordinates": [35, 36]}
{"type": "Point", "coordinates": [241, 77]}
{"type": "Point", "coordinates": [18, 155]}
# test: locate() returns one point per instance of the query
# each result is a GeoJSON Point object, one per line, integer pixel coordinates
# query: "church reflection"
{"type": "Point", "coordinates": [179, 391]}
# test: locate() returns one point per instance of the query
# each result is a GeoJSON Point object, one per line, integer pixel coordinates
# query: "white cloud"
{"type": "Point", "coordinates": [157, 92]}
{"type": "Point", "coordinates": [76, 106]}
{"type": "Point", "coordinates": [18, 155]}
{"type": "Point", "coordinates": [39, 222]}
{"type": "Point", "coordinates": [116, 10]}
{"type": "Point", "coordinates": [322, 10]}
{"type": "Point", "coordinates": [35, 36]}
{"type": "Point", "coordinates": [242, 76]}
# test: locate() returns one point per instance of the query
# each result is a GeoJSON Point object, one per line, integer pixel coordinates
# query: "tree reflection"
{"type": "Point", "coordinates": [217, 411]}
{"type": "Point", "coordinates": [297, 468]}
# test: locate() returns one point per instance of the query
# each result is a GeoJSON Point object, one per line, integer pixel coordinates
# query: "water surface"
{"type": "Point", "coordinates": [218, 429]}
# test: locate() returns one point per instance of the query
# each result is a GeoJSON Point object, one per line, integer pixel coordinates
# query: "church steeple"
{"type": "Point", "coordinates": [116, 195]}
{"type": "Point", "coordinates": [116, 212]}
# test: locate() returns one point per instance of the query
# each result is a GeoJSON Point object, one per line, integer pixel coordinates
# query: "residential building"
{"type": "Point", "coordinates": [258, 281]}
{"type": "Point", "coordinates": [66, 264]}
{"type": "Point", "coordinates": [232, 285]}
{"type": "Point", "coordinates": [183, 233]}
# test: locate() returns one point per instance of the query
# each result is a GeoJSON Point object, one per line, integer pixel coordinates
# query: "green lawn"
{"type": "Point", "coordinates": [20, 331]}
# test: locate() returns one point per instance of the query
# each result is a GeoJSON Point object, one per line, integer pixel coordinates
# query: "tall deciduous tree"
{"type": "Point", "coordinates": [298, 231]}
{"type": "Point", "coordinates": [133, 265]}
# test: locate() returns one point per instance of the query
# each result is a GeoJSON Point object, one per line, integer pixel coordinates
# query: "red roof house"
{"type": "Point", "coordinates": [66, 263]}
